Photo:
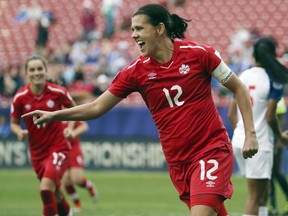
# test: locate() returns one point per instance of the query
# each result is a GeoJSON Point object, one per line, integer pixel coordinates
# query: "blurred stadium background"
{"type": "Point", "coordinates": [215, 22]}
{"type": "Point", "coordinates": [125, 138]}
{"type": "Point", "coordinates": [86, 63]}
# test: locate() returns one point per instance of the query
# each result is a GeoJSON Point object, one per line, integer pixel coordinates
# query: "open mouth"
{"type": "Point", "coordinates": [141, 45]}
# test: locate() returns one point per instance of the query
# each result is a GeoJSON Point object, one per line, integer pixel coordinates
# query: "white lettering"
{"type": "Point", "coordinates": [13, 153]}
{"type": "Point", "coordinates": [133, 155]}
{"type": "Point", "coordinates": [97, 154]}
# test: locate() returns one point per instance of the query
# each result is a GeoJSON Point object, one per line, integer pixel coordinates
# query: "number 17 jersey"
{"type": "Point", "coordinates": [46, 138]}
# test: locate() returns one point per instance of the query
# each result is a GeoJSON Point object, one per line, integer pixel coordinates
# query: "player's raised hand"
{"type": "Point", "coordinates": [39, 116]}
{"type": "Point", "coordinates": [68, 133]}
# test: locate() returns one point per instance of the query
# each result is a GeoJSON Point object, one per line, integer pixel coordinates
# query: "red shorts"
{"type": "Point", "coordinates": [212, 200]}
{"type": "Point", "coordinates": [76, 157]}
{"type": "Point", "coordinates": [53, 166]}
{"type": "Point", "coordinates": [210, 174]}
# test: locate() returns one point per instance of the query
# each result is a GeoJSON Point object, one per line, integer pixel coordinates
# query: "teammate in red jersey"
{"type": "Point", "coordinates": [48, 147]}
{"type": "Point", "coordinates": [174, 78]}
{"type": "Point", "coordinates": [75, 172]}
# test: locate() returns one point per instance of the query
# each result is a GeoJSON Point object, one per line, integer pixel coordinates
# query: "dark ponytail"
{"type": "Point", "coordinates": [175, 25]}
{"type": "Point", "coordinates": [265, 56]}
{"type": "Point", "coordinates": [178, 27]}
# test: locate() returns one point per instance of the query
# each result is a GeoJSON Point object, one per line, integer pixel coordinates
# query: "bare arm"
{"type": "Point", "coordinates": [83, 112]}
{"type": "Point", "coordinates": [232, 113]}
{"type": "Point", "coordinates": [80, 129]}
{"type": "Point", "coordinates": [273, 122]}
{"type": "Point", "coordinates": [272, 118]}
{"type": "Point", "coordinates": [72, 133]}
{"type": "Point", "coordinates": [234, 84]}
{"type": "Point", "coordinates": [71, 124]}
{"type": "Point", "coordinates": [17, 129]}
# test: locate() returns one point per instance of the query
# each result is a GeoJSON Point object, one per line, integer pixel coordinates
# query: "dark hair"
{"type": "Point", "coordinates": [175, 25]}
{"type": "Point", "coordinates": [35, 57]}
{"type": "Point", "coordinates": [265, 55]}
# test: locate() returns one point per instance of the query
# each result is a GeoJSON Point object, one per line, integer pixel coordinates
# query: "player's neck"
{"type": "Point", "coordinates": [37, 89]}
{"type": "Point", "coordinates": [165, 51]}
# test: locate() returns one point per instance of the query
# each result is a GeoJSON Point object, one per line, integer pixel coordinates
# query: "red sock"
{"type": "Point", "coordinates": [70, 189]}
{"type": "Point", "coordinates": [86, 183]}
{"type": "Point", "coordinates": [90, 186]}
{"type": "Point", "coordinates": [222, 211]}
{"type": "Point", "coordinates": [49, 202]}
{"type": "Point", "coordinates": [83, 183]}
{"type": "Point", "coordinates": [63, 207]}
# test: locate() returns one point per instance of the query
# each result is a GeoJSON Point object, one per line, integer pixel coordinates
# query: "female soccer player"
{"type": "Point", "coordinates": [265, 81]}
{"type": "Point", "coordinates": [74, 175]}
{"type": "Point", "coordinates": [48, 147]}
{"type": "Point", "coordinates": [277, 175]}
{"type": "Point", "coordinates": [174, 78]}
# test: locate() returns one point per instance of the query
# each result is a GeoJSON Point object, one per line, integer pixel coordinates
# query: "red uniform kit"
{"type": "Point", "coordinates": [48, 148]}
{"type": "Point", "coordinates": [201, 143]}
{"type": "Point", "coordinates": [76, 155]}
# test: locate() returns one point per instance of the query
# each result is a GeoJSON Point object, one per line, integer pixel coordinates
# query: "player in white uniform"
{"type": "Point", "coordinates": [265, 82]}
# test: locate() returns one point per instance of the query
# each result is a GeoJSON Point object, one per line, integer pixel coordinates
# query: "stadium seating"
{"type": "Point", "coordinates": [214, 21]}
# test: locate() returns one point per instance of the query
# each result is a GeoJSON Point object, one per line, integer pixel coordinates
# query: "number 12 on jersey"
{"type": "Point", "coordinates": [174, 100]}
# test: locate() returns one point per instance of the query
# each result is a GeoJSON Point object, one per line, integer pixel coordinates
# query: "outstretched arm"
{"type": "Point", "coordinates": [240, 91]}
{"type": "Point", "coordinates": [82, 112]}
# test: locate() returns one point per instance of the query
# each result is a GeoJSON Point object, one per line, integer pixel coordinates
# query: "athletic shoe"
{"type": "Point", "coordinates": [77, 207]}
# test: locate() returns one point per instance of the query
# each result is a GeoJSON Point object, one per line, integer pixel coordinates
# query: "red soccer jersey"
{"type": "Point", "coordinates": [76, 140]}
{"type": "Point", "coordinates": [178, 95]}
{"type": "Point", "coordinates": [49, 137]}
{"type": "Point", "coordinates": [76, 157]}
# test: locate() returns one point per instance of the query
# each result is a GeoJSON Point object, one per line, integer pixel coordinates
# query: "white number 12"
{"type": "Point", "coordinates": [176, 98]}
{"type": "Point", "coordinates": [207, 173]}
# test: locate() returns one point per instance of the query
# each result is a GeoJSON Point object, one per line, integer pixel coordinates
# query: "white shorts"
{"type": "Point", "coordinates": [257, 167]}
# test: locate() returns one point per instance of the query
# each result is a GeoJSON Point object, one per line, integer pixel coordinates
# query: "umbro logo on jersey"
{"type": "Point", "coordinates": [152, 75]}
{"type": "Point", "coordinates": [210, 184]}
{"type": "Point", "coordinates": [184, 69]}
{"type": "Point", "coordinates": [50, 103]}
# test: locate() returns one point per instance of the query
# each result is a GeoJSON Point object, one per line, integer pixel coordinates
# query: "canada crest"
{"type": "Point", "coordinates": [184, 69]}
{"type": "Point", "coordinates": [27, 107]}
{"type": "Point", "coordinates": [50, 103]}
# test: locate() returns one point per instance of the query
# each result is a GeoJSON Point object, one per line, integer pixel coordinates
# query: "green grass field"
{"type": "Point", "coordinates": [121, 194]}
